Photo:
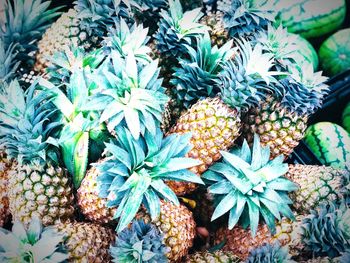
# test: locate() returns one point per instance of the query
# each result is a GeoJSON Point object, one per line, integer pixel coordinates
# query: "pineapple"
{"type": "Point", "coordinates": [140, 243]}
{"type": "Point", "coordinates": [212, 257]}
{"type": "Point", "coordinates": [86, 242]}
{"type": "Point", "coordinates": [317, 184]}
{"type": "Point", "coordinates": [32, 244]}
{"type": "Point", "coordinates": [215, 123]}
{"type": "Point", "coordinates": [281, 121]}
{"type": "Point", "coordinates": [37, 185]}
{"type": "Point", "coordinates": [83, 26]}
{"type": "Point", "coordinates": [215, 21]}
{"type": "Point", "coordinates": [132, 174]}
{"type": "Point", "coordinates": [247, 184]}
{"type": "Point", "coordinates": [270, 253]}
{"type": "Point", "coordinates": [177, 225]}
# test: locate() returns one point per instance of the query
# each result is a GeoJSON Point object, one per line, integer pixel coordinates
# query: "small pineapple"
{"type": "Point", "coordinates": [215, 123]}
{"type": "Point", "coordinates": [86, 242]}
{"type": "Point", "coordinates": [281, 121]}
{"type": "Point", "coordinates": [5, 167]}
{"type": "Point", "coordinates": [317, 184]}
{"type": "Point", "coordinates": [37, 185]}
{"type": "Point", "coordinates": [218, 256]}
{"type": "Point", "coordinates": [132, 174]}
{"type": "Point", "coordinates": [140, 243]}
{"type": "Point", "coordinates": [218, 34]}
{"type": "Point", "coordinates": [34, 243]}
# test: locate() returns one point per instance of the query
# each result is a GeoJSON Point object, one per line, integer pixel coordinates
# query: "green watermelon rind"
{"type": "Point", "coordinates": [306, 51]}
{"type": "Point", "coordinates": [334, 53]}
{"type": "Point", "coordinates": [330, 143]}
{"type": "Point", "coordinates": [346, 118]}
{"type": "Point", "coordinates": [306, 24]}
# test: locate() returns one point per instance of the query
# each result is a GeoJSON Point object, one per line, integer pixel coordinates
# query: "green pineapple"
{"type": "Point", "coordinates": [133, 173]}
{"type": "Point", "coordinates": [37, 184]}
{"type": "Point", "coordinates": [141, 243]}
{"type": "Point", "coordinates": [34, 243]}
{"type": "Point", "coordinates": [216, 122]}
{"type": "Point", "coordinates": [281, 119]}
{"type": "Point", "coordinates": [270, 253]}
{"type": "Point", "coordinates": [247, 185]}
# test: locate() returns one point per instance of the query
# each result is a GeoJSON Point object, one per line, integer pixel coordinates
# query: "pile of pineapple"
{"type": "Point", "coordinates": [158, 131]}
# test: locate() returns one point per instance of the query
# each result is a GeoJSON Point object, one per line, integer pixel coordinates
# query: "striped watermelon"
{"type": "Point", "coordinates": [346, 118]}
{"type": "Point", "coordinates": [330, 143]}
{"type": "Point", "coordinates": [311, 18]}
{"type": "Point", "coordinates": [335, 52]}
{"type": "Point", "coordinates": [305, 52]}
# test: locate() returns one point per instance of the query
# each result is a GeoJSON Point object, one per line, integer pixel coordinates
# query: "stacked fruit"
{"type": "Point", "coordinates": [118, 145]}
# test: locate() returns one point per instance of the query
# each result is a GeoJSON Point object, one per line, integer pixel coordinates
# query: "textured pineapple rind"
{"type": "Point", "coordinates": [178, 227]}
{"type": "Point", "coordinates": [5, 167]}
{"type": "Point", "coordinates": [212, 257]}
{"type": "Point", "coordinates": [44, 191]}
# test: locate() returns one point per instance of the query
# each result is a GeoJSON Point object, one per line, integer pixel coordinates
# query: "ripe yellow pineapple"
{"type": "Point", "coordinates": [37, 185]}
{"type": "Point", "coordinates": [86, 242]}
{"type": "Point", "coordinates": [92, 206]}
{"type": "Point", "coordinates": [178, 227]}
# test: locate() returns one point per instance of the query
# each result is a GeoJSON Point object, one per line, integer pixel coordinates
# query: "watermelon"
{"type": "Point", "coordinates": [330, 143]}
{"type": "Point", "coordinates": [305, 52]}
{"type": "Point", "coordinates": [310, 18]}
{"type": "Point", "coordinates": [335, 52]}
{"type": "Point", "coordinates": [346, 118]}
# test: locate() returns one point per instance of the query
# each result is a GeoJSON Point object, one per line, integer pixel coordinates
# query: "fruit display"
{"type": "Point", "coordinates": [162, 131]}
{"type": "Point", "coordinates": [334, 52]}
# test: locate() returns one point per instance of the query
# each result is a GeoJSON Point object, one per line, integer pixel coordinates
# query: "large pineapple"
{"type": "Point", "coordinates": [34, 243]}
{"type": "Point", "coordinates": [215, 123]}
{"type": "Point", "coordinates": [317, 184]}
{"type": "Point", "coordinates": [281, 121]}
{"type": "Point", "coordinates": [132, 174]}
{"type": "Point", "coordinates": [37, 184]}
{"type": "Point", "coordinates": [84, 26]}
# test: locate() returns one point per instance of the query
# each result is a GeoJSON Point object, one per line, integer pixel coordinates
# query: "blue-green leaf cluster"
{"type": "Point", "coordinates": [135, 170]}
{"type": "Point", "coordinates": [270, 253]}
{"type": "Point", "coordinates": [248, 185]}
{"type": "Point", "coordinates": [140, 243]}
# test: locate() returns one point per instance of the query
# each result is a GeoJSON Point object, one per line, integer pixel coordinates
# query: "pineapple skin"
{"type": "Point", "coordinates": [214, 127]}
{"type": "Point", "coordinates": [62, 34]}
{"type": "Point", "coordinates": [5, 166]}
{"type": "Point", "coordinates": [277, 127]}
{"type": "Point", "coordinates": [317, 184]}
{"type": "Point", "coordinates": [178, 227]}
{"type": "Point", "coordinates": [215, 257]}
{"type": "Point", "coordinates": [240, 242]}
{"type": "Point", "coordinates": [218, 35]}
{"type": "Point", "coordinates": [87, 242]}
{"type": "Point", "coordinates": [44, 191]}
{"type": "Point", "coordinates": [93, 207]}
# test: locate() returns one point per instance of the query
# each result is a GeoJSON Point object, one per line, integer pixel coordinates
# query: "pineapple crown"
{"type": "Point", "coordinates": [198, 75]}
{"type": "Point", "coordinates": [246, 80]}
{"type": "Point", "coordinates": [26, 123]}
{"type": "Point", "coordinates": [135, 170]}
{"type": "Point", "coordinates": [32, 244]}
{"type": "Point", "coordinates": [303, 90]}
{"type": "Point", "coordinates": [24, 23]}
{"type": "Point", "coordinates": [82, 136]}
{"type": "Point", "coordinates": [326, 231]}
{"type": "Point", "coordinates": [268, 253]}
{"type": "Point", "coordinates": [152, 5]}
{"type": "Point", "coordinates": [177, 29]}
{"type": "Point", "coordinates": [129, 94]}
{"type": "Point", "coordinates": [140, 243]}
{"type": "Point", "coordinates": [246, 18]}
{"type": "Point", "coordinates": [127, 40]}
{"type": "Point", "coordinates": [248, 184]}
{"type": "Point", "coordinates": [8, 62]}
